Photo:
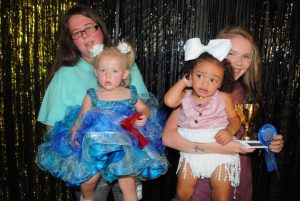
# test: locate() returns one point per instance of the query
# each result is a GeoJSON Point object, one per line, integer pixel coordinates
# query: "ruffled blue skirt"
{"type": "Point", "coordinates": [102, 146]}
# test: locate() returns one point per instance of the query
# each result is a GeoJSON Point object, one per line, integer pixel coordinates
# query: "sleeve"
{"type": "Point", "coordinates": [53, 108]}
{"type": "Point", "coordinates": [138, 82]}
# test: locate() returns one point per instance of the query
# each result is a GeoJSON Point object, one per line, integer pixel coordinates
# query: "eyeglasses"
{"type": "Point", "coordinates": [88, 30]}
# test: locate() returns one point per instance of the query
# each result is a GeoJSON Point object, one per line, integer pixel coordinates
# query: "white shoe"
{"type": "Point", "coordinates": [81, 199]}
{"type": "Point", "coordinates": [139, 191]}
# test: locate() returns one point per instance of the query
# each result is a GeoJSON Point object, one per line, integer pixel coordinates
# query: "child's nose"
{"type": "Point", "coordinates": [107, 74]}
{"type": "Point", "coordinates": [205, 82]}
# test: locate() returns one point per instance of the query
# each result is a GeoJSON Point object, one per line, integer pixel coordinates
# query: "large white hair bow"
{"type": "Point", "coordinates": [218, 48]}
{"type": "Point", "coordinates": [96, 50]}
{"type": "Point", "coordinates": [124, 47]}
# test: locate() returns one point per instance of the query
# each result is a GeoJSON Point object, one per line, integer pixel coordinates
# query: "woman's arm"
{"type": "Point", "coordinates": [171, 138]}
{"type": "Point", "coordinates": [48, 128]}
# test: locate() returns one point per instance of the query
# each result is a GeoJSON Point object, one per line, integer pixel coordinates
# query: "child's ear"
{"type": "Point", "coordinates": [190, 76]}
{"type": "Point", "coordinates": [220, 85]}
{"type": "Point", "coordinates": [95, 71]}
{"type": "Point", "coordinates": [126, 74]}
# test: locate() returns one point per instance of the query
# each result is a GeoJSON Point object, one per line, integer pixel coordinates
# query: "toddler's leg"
{"type": "Point", "coordinates": [102, 190]}
{"type": "Point", "coordinates": [117, 194]}
{"type": "Point", "coordinates": [185, 184]}
{"type": "Point", "coordinates": [220, 184]}
{"type": "Point", "coordinates": [87, 188]}
{"type": "Point", "coordinates": [127, 186]}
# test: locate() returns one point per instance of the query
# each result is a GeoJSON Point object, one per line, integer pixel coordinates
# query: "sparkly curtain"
{"type": "Point", "coordinates": [27, 47]}
{"type": "Point", "coordinates": [158, 28]}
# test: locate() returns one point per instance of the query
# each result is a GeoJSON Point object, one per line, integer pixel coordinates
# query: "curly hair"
{"type": "Point", "coordinates": [228, 79]}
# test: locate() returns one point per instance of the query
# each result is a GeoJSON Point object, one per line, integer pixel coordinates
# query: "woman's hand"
{"type": "Point", "coordinates": [276, 144]}
{"type": "Point", "coordinates": [240, 148]}
{"type": "Point", "coordinates": [187, 80]}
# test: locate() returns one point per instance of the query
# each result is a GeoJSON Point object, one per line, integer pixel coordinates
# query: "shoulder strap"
{"type": "Point", "coordinates": [94, 98]}
{"type": "Point", "coordinates": [133, 93]}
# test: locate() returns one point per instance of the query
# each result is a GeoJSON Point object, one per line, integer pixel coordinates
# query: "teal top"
{"type": "Point", "coordinates": [69, 86]}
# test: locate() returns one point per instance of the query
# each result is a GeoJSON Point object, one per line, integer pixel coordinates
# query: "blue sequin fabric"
{"type": "Point", "coordinates": [103, 145]}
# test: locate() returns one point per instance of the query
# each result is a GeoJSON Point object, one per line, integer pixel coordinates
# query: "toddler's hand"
{"type": "Point", "coordinates": [223, 136]}
{"type": "Point", "coordinates": [141, 121]}
{"type": "Point", "coordinates": [72, 136]}
{"type": "Point", "coordinates": [187, 79]}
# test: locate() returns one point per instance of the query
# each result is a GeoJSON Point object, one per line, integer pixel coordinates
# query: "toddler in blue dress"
{"type": "Point", "coordinates": [114, 135]}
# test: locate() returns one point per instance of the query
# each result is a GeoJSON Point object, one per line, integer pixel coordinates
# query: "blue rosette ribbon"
{"type": "Point", "coordinates": [265, 135]}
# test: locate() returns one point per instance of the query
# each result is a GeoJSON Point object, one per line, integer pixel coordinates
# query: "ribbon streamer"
{"type": "Point", "coordinates": [265, 135]}
{"type": "Point", "coordinates": [128, 125]}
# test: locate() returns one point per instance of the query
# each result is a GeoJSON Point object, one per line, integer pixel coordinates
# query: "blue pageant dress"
{"type": "Point", "coordinates": [104, 145]}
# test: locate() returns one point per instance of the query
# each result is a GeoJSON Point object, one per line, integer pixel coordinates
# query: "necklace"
{"type": "Point", "coordinates": [200, 97]}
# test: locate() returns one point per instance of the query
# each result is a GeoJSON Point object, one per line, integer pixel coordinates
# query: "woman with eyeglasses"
{"type": "Point", "coordinates": [71, 74]}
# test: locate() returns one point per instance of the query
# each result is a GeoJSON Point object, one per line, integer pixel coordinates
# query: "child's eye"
{"type": "Point", "coordinates": [115, 71]}
{"type": "Point", "coordinates": [214, 81]}
{"type": "Point", "coordinates": [200, 76]}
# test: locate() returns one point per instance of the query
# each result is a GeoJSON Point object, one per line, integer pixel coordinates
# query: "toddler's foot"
{"type": "Point", "coordinates": [139, 191]}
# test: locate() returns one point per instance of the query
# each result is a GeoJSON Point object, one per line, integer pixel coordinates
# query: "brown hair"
{"type": "Point", "coordinates": [67, 53]}
{"type": "Point", "coordinates": [251, 80]}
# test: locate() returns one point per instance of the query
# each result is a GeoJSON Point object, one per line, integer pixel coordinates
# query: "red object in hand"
{"type": "Point", "coordinates": [128, 125]}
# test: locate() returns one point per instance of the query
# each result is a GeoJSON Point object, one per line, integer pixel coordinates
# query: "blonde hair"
{"type": "Point", "coordinates": [251, 80]}
{"type": "Point", "coordinates": [128, 58]}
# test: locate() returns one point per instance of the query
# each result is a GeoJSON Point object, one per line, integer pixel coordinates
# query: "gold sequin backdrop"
{"type": "Point", "coordinates": [158, 28]}
{"type": "Point", "coordinates": [27, 47]}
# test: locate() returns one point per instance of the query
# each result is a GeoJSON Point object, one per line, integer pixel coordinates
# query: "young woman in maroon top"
{"type": "Point", "coordinates": [245, 61]}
